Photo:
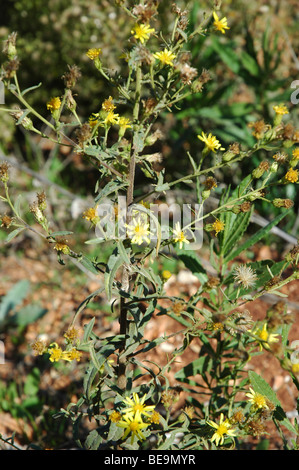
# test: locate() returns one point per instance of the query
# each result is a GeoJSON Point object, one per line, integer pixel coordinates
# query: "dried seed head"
{"type": "Point", "coordinates": [6, 221]}
{"type": "Point", "coordinates": [83, 133]}
{"type": "Point", "coordinates": [187, 73]}
{"type": "Point", "coordinates": [9, 46]}
{"type": "Point", "coordinates": [4, 177]}
{"type": "Point", "coordinates": [245, 276]}
{"type": "Point", "coordinates": [72, 76]}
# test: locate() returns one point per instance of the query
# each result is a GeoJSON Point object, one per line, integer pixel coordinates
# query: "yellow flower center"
{"type": "Point", "coordinates": [222, 429]}
{"type": "Point", "coordinates": [134, 426]}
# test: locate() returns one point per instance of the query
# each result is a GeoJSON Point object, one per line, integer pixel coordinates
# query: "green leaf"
{"type": "Point", "coordinates": [14, 297]}
{"type": "Point", "coordinates": [256, 237]}
{"type": "Point", "coordinates": [114, 263]}
{"type": "Point", "coordinates": [192, 262]}
{"type": "Point", "coordinates": [13, 234]}
{"type": "Point", "coordinates": [259, 385]}
{"type": "Point", "coordinates": [28, 315]}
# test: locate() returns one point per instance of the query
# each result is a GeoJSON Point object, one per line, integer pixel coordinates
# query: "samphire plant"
{"type": "Point", "coordinates": [128, 398]}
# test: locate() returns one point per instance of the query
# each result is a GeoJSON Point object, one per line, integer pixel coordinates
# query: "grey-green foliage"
{"type": "Point", "coordinates": [11, 311]}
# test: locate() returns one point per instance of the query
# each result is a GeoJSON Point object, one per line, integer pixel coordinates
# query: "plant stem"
{"type": "Point", "coordinates": [130, 197]}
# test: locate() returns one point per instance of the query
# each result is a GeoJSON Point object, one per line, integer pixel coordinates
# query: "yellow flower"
{"type": "Point", "coordinates": [54, 104]}
{"type": "Point", "coordinates": [55, 352]}
{"type": "Point", "coordinates": [220, 25]}
{"type": "Point", "coordinates": [142, 32]}
{"type": "Point", "coordinates": [257, 399]}
{"type": "Point", "coordinates": [281, 109]}
{"type": "Point", "coordinates": [134, 426]}
{"type": "Point", "coordinates": [166, 274]}
{"type": "Point", "coordinates": [124, 123]}
{"type": "Point", "coordinates": [108, 105]}
{"type": "Point", "coordinates": [115, 416]}
{"type": "Point", "coordinates": [91, 215]}
{"type": "Point", "coordinates": [295, 154]}
{"type": "Point", "coordinates": [155, 417]}
{"type": "Point", "coordinates": [266, 337]}
{"type": "Point", "coordinates": [136, 407]}
{"type": "Point", "coordinates": [211, 143]}
{"type": "Point", "coordinates": [291, 176]}
{"type": "Point", "coordinates": [93, 53]}
{"type": "Point", "coordinates": [138, 231]}
{"type": "Point", "coordinates": [180, 236]}
{"type": "Point", "coordinates": [222, 429]}
{"type": "Point", "coordinates": [166, 56]}
{"type": "Point", "coordinates": [62, 247]}
{"type": "Point", "coordinates": [71, 355]}
{"type": "Point", "coordinates": [111, 118]}
{"type": "Point", "coordinates": [218, 226]}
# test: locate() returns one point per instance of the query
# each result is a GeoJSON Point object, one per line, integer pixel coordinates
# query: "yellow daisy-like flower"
{"type": "Point", "coordinates": [111, 118]}
{"type": "Point", "coordinates": [134, 426]}
{"type": "Point", "coordinates": [71, 355]}
{"type": "Point", "coordinates": [166, 57]}
{"type": "Point", "coordinates": [91, 215]}
{"type": "Point", "coordinates": [295, 154]}
{"type": "Point", "coordinates": [218, 226]}
{"type": "Point", "coordinates": [138, 231]}
{"type": "Point", "coordinates": [257, 399]}
{"type": "Point", "coordinates": [266, 337]}
{"type": "Point", "coordinates": [55, 352]}
{"type": "Point", "coordinates": [222, 429]}
{"type": "Point", "coordinates": [142, 32]}
{"type": "Point", "coordinates": [291, 175]}
{"type": "Point", "coordinates": [124, 123]}
{"type": "Point", "coordinates": [54, 104]}
{"type": "Point", "coordinates": [136, 407]}
{"type": "Point", "coordinates": [210, 141]}
{"type": "Point", "coordinates": [179, 235]}
{"type": "Point", "coordinates": [220, 25]}
{"type": "Point", "coordinates": [108, 105]}
{"type": "Point", "coordinates": [281, 109]}
{"type": "Point", "coordinates": [93, 53]}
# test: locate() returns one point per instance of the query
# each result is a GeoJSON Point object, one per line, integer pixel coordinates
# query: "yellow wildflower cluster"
{"type": "Point", "coordinates": [107, 117]}
{"type": "Point", "coordinates": [135, 417]}
{"type": "Point", "coordinates": [56, 353]}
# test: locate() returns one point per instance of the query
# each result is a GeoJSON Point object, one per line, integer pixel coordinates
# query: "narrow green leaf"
{"type": "Point", "coordinates": [256, 237]}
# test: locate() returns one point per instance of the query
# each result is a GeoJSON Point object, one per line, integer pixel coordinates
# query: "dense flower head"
{"type": "Point", "coordinates": [91, 215]}
{"type": "Point", "coordinates": [281, 109]}
{"type": "Point", "coordinates": [292, 176]}
{"type": "Point", "coordinates": [54, 104]}
{"type": "Point", "coordinates": [108, 104]}
{"type": "Point", "coordinates": [295, 153]}
{"type": "Point", "coordinates": [93, 53]}
{"type": "Point", "coordinates": [218, 226]}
